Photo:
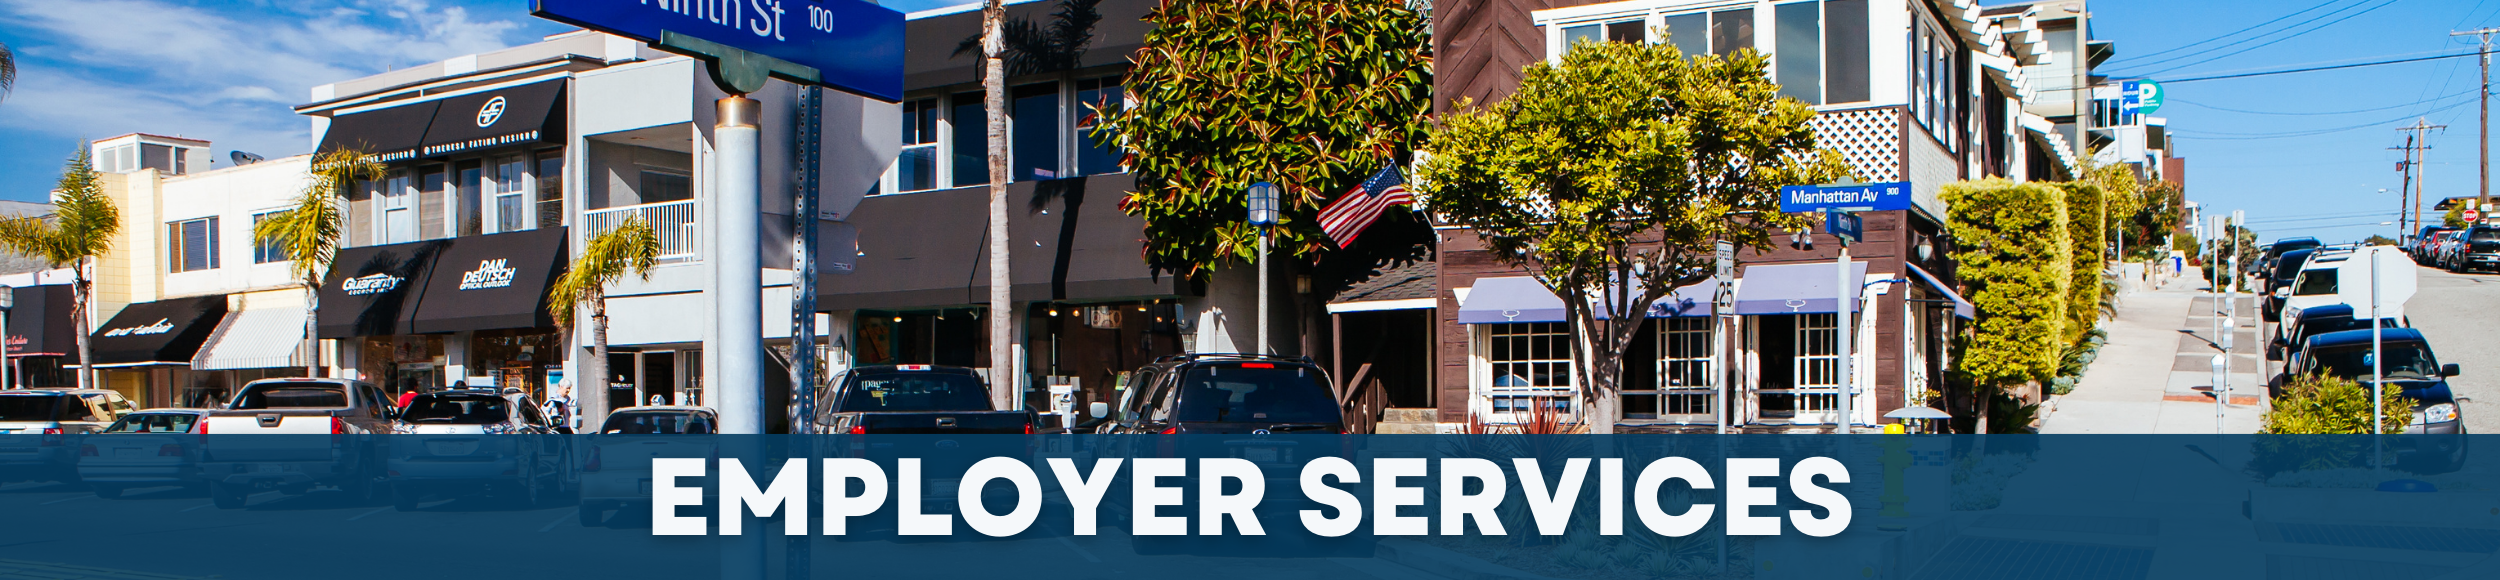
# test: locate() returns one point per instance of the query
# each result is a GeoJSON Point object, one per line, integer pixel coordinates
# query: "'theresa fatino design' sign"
{"type": "Point", "coordinates": [489, 274]}
{"type": "Point", "coordinates": [373, 284]}
{"type": "Point", "coordinates": [491, 112]}
{"type": "Point", "coordinates": [161, 326]}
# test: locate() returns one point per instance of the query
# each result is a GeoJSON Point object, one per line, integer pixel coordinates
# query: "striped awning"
{"type": "Point", "coordinates": [264, 337]}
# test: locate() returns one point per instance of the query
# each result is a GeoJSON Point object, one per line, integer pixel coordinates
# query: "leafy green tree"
{"type": "Point", "coordinates": [2455, 218]}
{"type": "Point", "coordinates": [2378, 240]}
{"type": "Point", "coordinates": [2155, 218]}
{"type": "Point", "coordinates": [1618, 169]}
{"type": "Point", "coordinates": [308, 231]}
{"type": "Point", "coordinates": [2012, 247]}
{"type": "Point", "coordinates": [1311, 95]}
{"type": "Point", "coordinates": [631, 247]}
{"type": "Point", "coordinates": [79, 231]}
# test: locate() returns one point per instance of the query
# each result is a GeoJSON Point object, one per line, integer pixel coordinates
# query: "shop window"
{"type": "Point", "coordinates": [433, 203]}
{"type": "Point", "coordinates": [970, 143]}
{"type": "Point", "coordinates": [266, 251]}
{"type": "Point", "coordinates": [1096, 97]}
{"type": "Point", "coordinates": [1530, 364]}
{"type": "Point", "coordinates": [194, 244]}
{"type": "Point", "coordinates": [1813, 368]}
{"type": "Point", "coordinates": [1684, 388]}
{"type": "Point", "coordinates": [469, 179]}
{"type": "Point", "coordinates": [917, 165]}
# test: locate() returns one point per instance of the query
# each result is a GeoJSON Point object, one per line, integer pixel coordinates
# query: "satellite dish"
{"type": "Point", "coordinates": [242, 158]}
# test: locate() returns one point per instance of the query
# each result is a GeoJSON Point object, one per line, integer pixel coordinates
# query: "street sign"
{"type": "Point", "coordinates": [2397, 277]}
{"type": "Point", "coordinates": [2471, 215]}
{"type": "Point", "coordinates": [1844, 225]}
{"type": "Point", "coordinates": [1852, 197]}
{"type": "Point", "coordinates": [854, 45]}
{"type": "Point", "coordinates": [2141, 97]}
{"type": "Point", "coordinates": [1724, 299]}
{"type": "Point", "coordinates": [1725, 251]}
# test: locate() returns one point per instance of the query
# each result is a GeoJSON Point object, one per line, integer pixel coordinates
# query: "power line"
{"type": "Point", "coordinates": [2307, 133]}
{"type": "Point", "coordinates": [2229, 34]}
{"type": "Point", "coordinates": [2286, 37]}
{"type": "Point", "coordinates": [2312, 69]}
{"type": "Point", "coordinates": [2291, 28]}
{"type": "Point", "coordinates": [2370, 110]}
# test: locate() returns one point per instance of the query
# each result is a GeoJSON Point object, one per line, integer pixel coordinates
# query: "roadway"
{"type": "Point", "coordinates": [2460, 313]}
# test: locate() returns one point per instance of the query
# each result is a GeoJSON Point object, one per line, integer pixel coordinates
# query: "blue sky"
{"type": "Point", "coordinates": [227, 71]}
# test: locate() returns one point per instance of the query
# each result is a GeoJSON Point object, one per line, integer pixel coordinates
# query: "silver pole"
{"type": "Point", "coordinates": [5, 382]}
{"type": "Point", "coordinates": [735, 268]}
{"type": "Point", "coordinates": [1262, 347]}
{"type": "Point", "coordinates": [2378, 410]}
{"type": "Point", "coordinates": [1846, 305]}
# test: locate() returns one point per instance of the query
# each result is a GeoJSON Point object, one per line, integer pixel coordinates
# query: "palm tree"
{"type": "Point", "coordinates": [81, 230]}
{"type": "Point", "coordinates": [1002, 302]}
{"type": "Point", "coordinates": [309, 232]}
{"type": "Point", "coordinates": [632, 247]}
{"type": "Point", "coordinates": [8, 70]}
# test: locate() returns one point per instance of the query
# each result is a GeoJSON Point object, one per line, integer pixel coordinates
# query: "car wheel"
{"type": "Point", "coordinates": [226, 495]}
{"type": "Point", "coordinates": [106, 491]}
{"type": "Point", "coordinates": [594, 514]}
{"type": "Point", "coordinates": [405, 498]}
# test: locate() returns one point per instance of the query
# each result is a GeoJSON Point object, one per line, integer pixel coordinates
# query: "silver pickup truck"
{"type": "Point", "coordinates": [310, 432]}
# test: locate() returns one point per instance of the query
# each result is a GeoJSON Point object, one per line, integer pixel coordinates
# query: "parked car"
{"type": "Point", "coordinates": [349, 460]}
{"type": "Point", "coordinates": [2313, 321]}
{"type": "Point", "coordinates": [38, 427]}
{"type": "Point", "coordinates": [2286, 269]}
{"type": "Point", "coordinates": [2266, 259]}
{"type": "Point", "coordinates": [2419, 247]}
{"type": "Point", "coordinates": [475, 440]}
{"type": "Point", "coordinates": [150, 448]}
{"type": "Point", "coordinates": [2445, 255]}
{"type": "Point", "coordinates": [2407, 361]}
{"type": "Point", "coordinates": [1244, 406]}
{"type": "Point", "coordinates": [2475, 249]}
{"type": "Point", "coordinates": [914, 399]}
{"type": "Point", "coordinates": [616, 464]}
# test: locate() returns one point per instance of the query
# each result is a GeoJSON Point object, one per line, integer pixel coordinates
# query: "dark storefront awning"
{"type": "Point", "coordinates": [927, 249]}
{"type": "Point", "coordinates": [493, 118]}
{"type": "Point", "coordinates": [1961, 307]}
{"type": "Point", "coordinates": [372, 290]}
{"type": "Point", "coordinates": [164, 332]}
{"type": "Point", "coordinates": [1523, 299]}
{"type": "Point", "coordinates": [39, 323]}
{"type": "Point", "coordinates": [491, 282]}
{"type": "Point", "coordinates": [1793, 288]}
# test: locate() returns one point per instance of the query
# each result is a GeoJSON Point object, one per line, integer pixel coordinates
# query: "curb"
{"type": "Point", "coordinates": [1447, 564]}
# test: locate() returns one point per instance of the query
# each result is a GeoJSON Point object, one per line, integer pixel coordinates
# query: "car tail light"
{"type": "Point", "coordinates": [169, 450]}
{"type": "Point", "coordinates": [338, 426]}
{"type": "Point", "coordinates": [1028, 428]}
{"type": "Point", "coordinates": [86, 451]}
{"type": "Point", "coordinates": [1163, 445]}
{"type": "Point", "coordinates": [1171, 430]}
{"type": "Point", "coordinates": [593, 463]}
{"type": "Point", "coordinates": [1258, 365]}
{"type": "Point", "coordinates": [51, 437]}
{"type": "Point", "coordinates": [863, 429]}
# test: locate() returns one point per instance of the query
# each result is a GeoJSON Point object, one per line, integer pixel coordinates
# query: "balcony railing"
{"type": "Point", "coordinates": [673, 220]}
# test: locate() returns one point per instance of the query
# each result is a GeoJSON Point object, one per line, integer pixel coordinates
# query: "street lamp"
{"type": "Point", "coordinates": [1263, 216]}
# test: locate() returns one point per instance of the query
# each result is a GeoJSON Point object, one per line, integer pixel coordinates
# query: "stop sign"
{"type": "Point", "coordinates": [2471, 215]}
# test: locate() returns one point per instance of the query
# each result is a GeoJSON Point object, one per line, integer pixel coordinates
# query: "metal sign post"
{"type": "Point", "coordinates": [1844, 228]}
{"type": "Point", "coordinates": [1263, 214]}
{"type": "Point", "coordinates": [8, 301]}
{"type": "Point", "coordinates": [1723, 303]}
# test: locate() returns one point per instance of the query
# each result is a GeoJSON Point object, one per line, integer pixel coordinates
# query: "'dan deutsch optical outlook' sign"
{"type": "Point", "coordinates": [856, 46]}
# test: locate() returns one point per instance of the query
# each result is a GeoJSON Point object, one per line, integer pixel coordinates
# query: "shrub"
{"type": "Point", "coordinates": [2085, 207]}
{"type": "Point", "coordinates": [2012, 247]}
{"type": "Point", "coordinates": [2322, 405]}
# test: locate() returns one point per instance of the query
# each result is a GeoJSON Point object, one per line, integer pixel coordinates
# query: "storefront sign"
{"type": "Point", "coordinates": [489, 274]}
{"type": "Point", "coordinates": [854, 46]}
{"type": "Point", "coordinates": [374, 284]}
{"type": "Point", "coordinates": [1850, 197]}
{"type": "Point", "coordinates": [490, 112]}
{"type": "Point", "coordinates": [161, 326]}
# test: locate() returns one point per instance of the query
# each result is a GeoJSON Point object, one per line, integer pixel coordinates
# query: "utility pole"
{"type": "Point", "coordinates": [2404, 188]}
{"type": "Point", "coordinates": [2482, 196]}
{"type": "Point", "coordinates": [2418, 146]}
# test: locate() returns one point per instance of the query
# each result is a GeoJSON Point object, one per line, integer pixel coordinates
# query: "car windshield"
{"type": "Point", "coordinates": [914, 391]}
{"type": "Point", "coordinates": [2326, 324]}
{"type": "Point", "coordinates": [2288, 266]}
{"type": "Point", "coordinates": [2404, 361]}
{"type": "Point", "coordinates": [2480, 236]}
{"type": "Point", "coordinates": [2315, 282]}
{"type": "Point", "coordinates": [657, 423]}
{"type": "Point", "coordinates": [2296, 245]}
{"type": "Point", "coordinates": [291, 396]}
{"type": "Point", "coordinates": [30, 407]}
{"type": "Point", "coordinates": [457, 409]}
{"type": "Point", "coordinates": [154, 423]}
{"type": "Point", "coordinates": [1241, 394]}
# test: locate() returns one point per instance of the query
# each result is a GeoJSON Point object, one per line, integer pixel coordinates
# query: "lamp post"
{"type": "Point", "coordinates": [1263, 216]}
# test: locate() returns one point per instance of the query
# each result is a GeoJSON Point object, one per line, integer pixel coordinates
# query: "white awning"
{"type": "Point", "coordinates": [259, 338]}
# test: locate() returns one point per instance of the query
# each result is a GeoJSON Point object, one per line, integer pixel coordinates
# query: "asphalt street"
{"type": "Point", "coordinates": [169, 531]}
{"type": "Point", "coordinates": [2460, 313]}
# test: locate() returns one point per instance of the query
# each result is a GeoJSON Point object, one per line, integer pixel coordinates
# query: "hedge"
{"type": "Point", "coordinates": [2085, 204]}
{"type": "Point", "coordinates": [2012, 245]}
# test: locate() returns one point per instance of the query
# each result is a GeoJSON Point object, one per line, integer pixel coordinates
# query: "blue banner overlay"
{"type": "Point", "coordinates": [1248, 506]}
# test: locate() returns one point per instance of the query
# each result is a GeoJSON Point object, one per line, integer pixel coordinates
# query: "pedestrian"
{"type": "Point", "coordinates": [561, 409]}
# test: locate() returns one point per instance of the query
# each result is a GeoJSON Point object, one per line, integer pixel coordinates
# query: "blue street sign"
{"type": "Point", "coordinates": [855, 46]}
{"type": "Point", "coordinates": [1844, 225]}
{"type": "Point", "coordinates": [1856, 197]}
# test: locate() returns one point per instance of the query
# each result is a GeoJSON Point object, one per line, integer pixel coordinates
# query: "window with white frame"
{"type": "Point", "coordinates": [1684, 389]}
{"type": "Point", "coordinates": [1934, 74]}
{"type": "Point", "coordinates": [266, 251]}
{"type": "Point", "coordinates": [193, 244]}
{"type": "Point", "coordinates": [1814, 370]}
{"type": "Point", "coordinates": [1819, 50]}
{"type": "Point", "coordinates": [1050, 126]}
{"type": "Point", "coordinates": [510, 182]}
{"type": "Point", "coordinates": [1529, 364]}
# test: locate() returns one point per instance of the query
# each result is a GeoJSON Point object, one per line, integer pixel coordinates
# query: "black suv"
{"type": "Point", "coordinates": [1225, 394]}
{"type": "Point", "coordinates": [2479, 249]}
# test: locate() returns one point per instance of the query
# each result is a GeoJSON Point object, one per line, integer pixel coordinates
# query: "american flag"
{"type": "Point", "coordinates": [1357, 209]}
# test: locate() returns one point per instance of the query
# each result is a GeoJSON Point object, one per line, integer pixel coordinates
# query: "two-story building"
{"type": "Point", "coordinates": [1927, 92]}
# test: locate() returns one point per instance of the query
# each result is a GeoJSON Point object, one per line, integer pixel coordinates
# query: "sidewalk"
{"type": "Point", "coordinates": [2155, 374]}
